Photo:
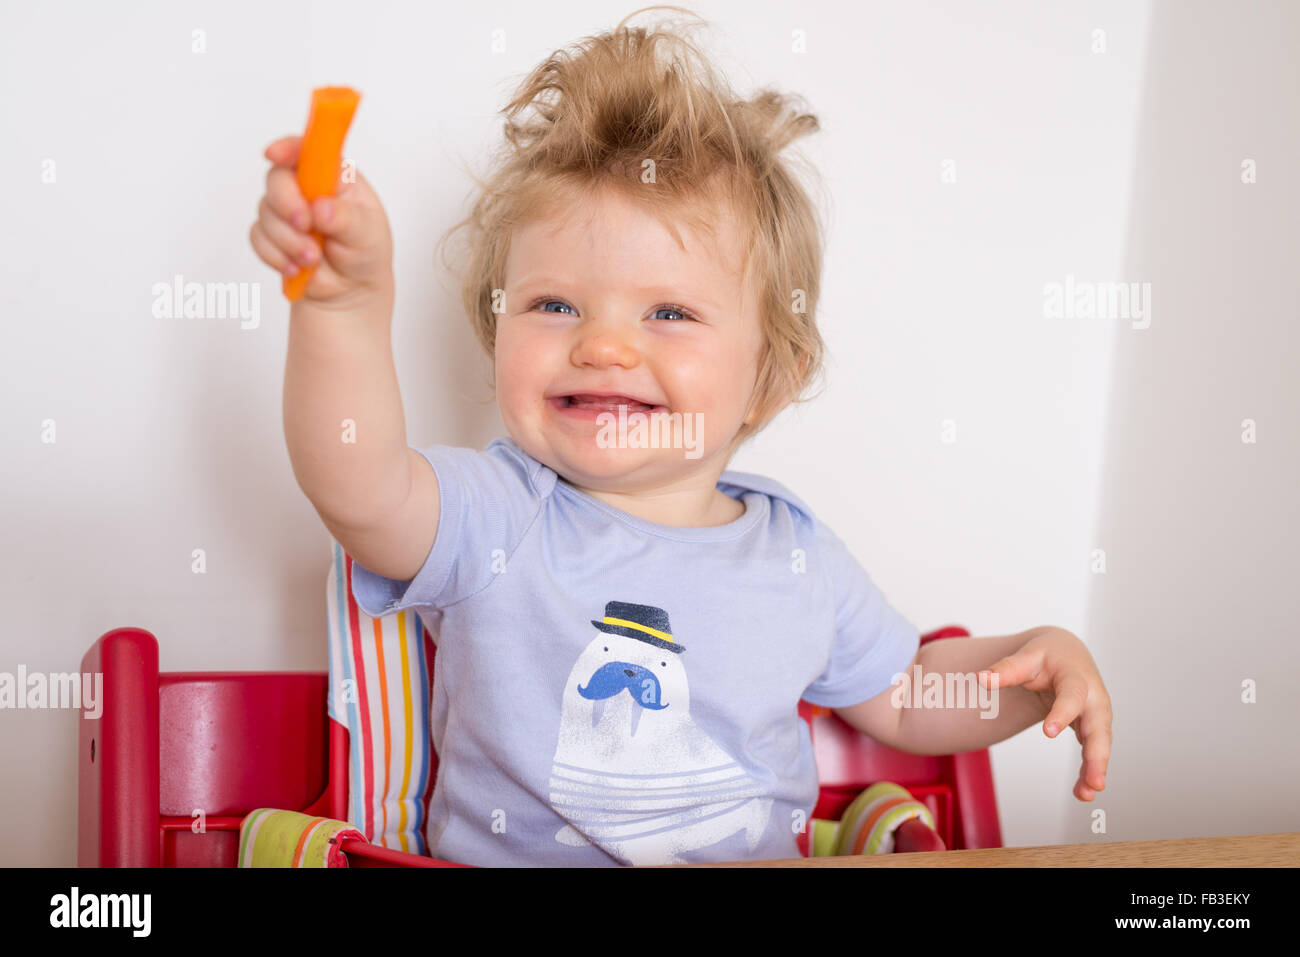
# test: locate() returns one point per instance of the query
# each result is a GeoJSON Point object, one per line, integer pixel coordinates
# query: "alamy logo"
{"type": "Point", "coordinates": [943, 690]}
{"type": "Point", "coordinates": [208, 300]}
{"type": "Point", "coordinates": [39, 690]}
{"type": "Point", "coordinates": [1078, 299]}
{"type": "Point", "coordinates": [102, 910]}
{"type": "Point", "coordinates": [651, 430]}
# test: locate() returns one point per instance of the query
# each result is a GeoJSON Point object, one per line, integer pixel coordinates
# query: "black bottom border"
{"type": "Point", "coordinates": [647, 907]}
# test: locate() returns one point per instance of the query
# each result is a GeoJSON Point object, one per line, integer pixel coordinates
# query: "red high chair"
{"type": "Point", "coordinates": [176, 759]}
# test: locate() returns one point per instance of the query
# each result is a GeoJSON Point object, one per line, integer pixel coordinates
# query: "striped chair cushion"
{"type": "Point", "coordinates": [379, 689]}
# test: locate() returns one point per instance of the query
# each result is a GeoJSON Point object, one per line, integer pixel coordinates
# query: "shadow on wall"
{"type": "Point", "coordinates": [1197, 515]}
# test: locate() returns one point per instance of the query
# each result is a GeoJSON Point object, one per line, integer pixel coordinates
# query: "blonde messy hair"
{"type": "Point", "coordinates": [614, 100]}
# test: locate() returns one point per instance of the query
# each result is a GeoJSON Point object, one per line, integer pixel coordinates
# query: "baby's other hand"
{"type": "Point", "coordinates": [1057, 665]}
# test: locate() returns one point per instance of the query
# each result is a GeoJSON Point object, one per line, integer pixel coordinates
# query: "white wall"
{"type": "Point", "coordinates": [1201, 527]}
{"type": "Point", "coordinates": [1071, 435]}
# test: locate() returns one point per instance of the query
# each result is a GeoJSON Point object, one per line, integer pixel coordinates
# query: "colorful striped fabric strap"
{"type": "Point", "coordinates": [379, 689]}
{"type": "Point", "coordinates": [868, 824]}
{"type": "Point", "coordinates": [273, 838]}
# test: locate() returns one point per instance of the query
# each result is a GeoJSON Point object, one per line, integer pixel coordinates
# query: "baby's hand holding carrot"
{"type": "Point", "coordinates": [356, 261]}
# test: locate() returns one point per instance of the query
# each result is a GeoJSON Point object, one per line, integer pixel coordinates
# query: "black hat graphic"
{"type": "Point", "coordinates": [642, 622]}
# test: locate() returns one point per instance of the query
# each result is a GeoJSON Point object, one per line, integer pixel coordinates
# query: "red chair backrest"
{"type": "Point", "coordinates": [176, 760]}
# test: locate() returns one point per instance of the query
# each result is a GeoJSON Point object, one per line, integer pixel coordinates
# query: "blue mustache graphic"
{"type": "Point", "coordinates": [609, 679]}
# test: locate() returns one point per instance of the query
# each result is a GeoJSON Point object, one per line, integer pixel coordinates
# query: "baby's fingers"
{"type": "Point", "coordinates": [284, 151]}
{"type": "Point", "coordinates": [269, 252]}
{"type": "Point", "coordinates": [1095, 731]}
{"type": "Point", "coordinates": [1014, 669]}
{"type": "Point", "coordinates": [1071, 696]}
{"type": "Point", "coordinates": [284, 197]}
{"type": "Point", "coordinates": [295, 244]}
{"type": "Point", "coordinates": [343, 218]}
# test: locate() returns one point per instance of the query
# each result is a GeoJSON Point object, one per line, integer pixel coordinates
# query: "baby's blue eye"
{"type": "Point", "coordinates": [674, 314]}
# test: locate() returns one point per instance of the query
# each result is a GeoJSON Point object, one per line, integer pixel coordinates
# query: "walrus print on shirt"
{"type": "Point", "coordinates": [632, 772]}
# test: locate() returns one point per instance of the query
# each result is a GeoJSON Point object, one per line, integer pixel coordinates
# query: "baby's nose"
{"type": "Point", "coordinates": [607, 346]}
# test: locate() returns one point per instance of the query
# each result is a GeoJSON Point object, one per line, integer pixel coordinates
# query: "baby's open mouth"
{"type": "Point", "coordinates": [603, 403]}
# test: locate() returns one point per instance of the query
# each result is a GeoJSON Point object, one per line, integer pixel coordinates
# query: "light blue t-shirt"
{"type": "Point", "coordinates": [608, 690]}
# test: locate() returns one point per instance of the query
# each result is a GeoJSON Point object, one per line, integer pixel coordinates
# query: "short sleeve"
{"type": "Point", "coordinates": [873, 642]}
{"type": "Point", "coordinates": [487, 501]}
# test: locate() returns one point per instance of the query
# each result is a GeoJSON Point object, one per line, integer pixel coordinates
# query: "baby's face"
{"type": "Point", "coordinates": [604, 300]}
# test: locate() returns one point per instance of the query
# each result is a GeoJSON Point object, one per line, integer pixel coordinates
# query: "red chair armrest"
{"type": "Point", "coordinates": [362, 854]}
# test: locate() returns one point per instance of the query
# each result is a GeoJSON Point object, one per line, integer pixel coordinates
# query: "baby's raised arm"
{"type": "Point", "coordinates": [343, 419]}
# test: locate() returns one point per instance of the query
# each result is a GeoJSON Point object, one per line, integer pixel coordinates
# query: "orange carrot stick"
{"type": "Point", "coordinates": [319, 159]}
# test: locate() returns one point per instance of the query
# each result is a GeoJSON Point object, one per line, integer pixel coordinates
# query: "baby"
{"type": "Point", "coordinates": [624, 627]}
